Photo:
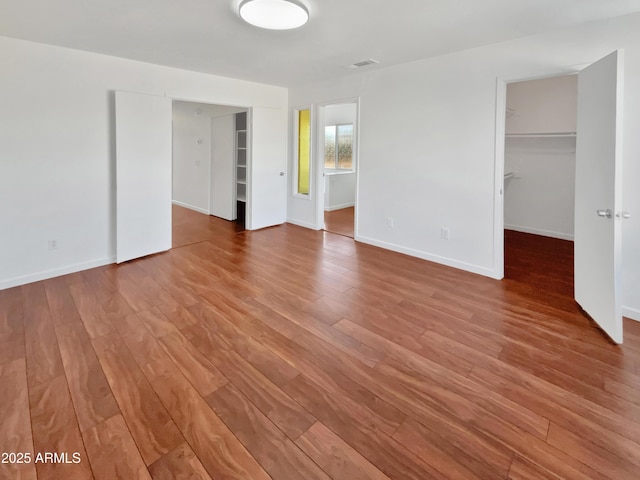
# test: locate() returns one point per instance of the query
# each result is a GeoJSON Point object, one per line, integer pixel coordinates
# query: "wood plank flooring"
{"type": "Point", "coordinates": [340, 221]}
{"type": "Point", "coordinates": [291, 354]}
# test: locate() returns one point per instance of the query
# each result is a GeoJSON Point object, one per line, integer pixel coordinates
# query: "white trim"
{"type": "Point", "coordinates": [209, 167]}
{"type": "Point", "coordinates": [248, 201]}
{"type": "Point", "coordinates": [190, 207]}
{"type": "Point", "coordinates": [321, 179]}
{"type": "Point", "coordinates": [56, 272]}
{"type": "Point", "coordinates": [356, 167]}
{"type": "Point", "coordinates": [302, 223]}
{"type": "Point", "coordinates": [296, 127]}
{"type": "Point", "coordinates": [631, 313]}
{"type": "Point", "coordinates": [500, 136]}
{"type": "Point", "coordinates": [537, 231]}
{"type": "Point", "coordinates": [339, 207]}
{"type": "Point", "coordinates": [449, 262]}
{"type": "Point", "coordinates": [339, 172]}
{"type": "Point", "coordinates": [319, 151]}
{"type": "Point", "coordinates": [498, 182]}
{"type": "Point", "coordinates": [204, 101]}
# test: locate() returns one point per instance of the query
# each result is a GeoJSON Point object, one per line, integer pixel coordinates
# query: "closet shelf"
{"type": "Point", "coordinates": [542, 135]}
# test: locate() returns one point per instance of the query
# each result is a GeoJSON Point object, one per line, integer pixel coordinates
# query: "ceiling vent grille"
{"type": "Point", "coordinates": [364, 63]}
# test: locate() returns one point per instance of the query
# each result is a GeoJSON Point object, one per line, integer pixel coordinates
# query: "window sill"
{"type": "Point", "coordinates": [338, 172]}
{"type": "Point", "coordinates": [302, 196]}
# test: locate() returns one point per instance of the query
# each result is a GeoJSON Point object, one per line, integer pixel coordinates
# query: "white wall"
{"type": "Point", "coordinates": [57, 168]}
{"type": "Point", "coordinates": [340, 190]}
{"type": "Point", "coordinates": [191, 156]}
{"type": "Point", "coordinates": [546, 105]}
{"type": "Point", "coordinates": [539, 198]}
{"type": "Point", "coordinates": [427, 144]}
{"type": "Point", "coordinates": [340, 114]}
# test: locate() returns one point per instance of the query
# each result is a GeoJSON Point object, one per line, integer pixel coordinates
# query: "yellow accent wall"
{"type": "Point", "coordinates": [304, 150]}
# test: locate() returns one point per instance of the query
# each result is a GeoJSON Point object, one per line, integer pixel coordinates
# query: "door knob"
{"type": "Point", "coordinates": [625, 215]}
{"type": "Point", "coordinates": [604, 213]}
{"type": "Point", "coordinates": [282, 174]}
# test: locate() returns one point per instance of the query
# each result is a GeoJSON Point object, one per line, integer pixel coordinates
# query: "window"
{"type": "Point", "coordinates": [338, 147]}
{"type": "Point", "coordinates": [304, 151]}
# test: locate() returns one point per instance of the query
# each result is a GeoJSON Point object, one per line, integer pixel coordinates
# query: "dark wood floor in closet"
{"type": "Point", "coordinates": [543, 263]}
{"type": "Point", "coordinates": [293, 354]}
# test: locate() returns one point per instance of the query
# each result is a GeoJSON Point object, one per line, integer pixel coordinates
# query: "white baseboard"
{"type": "Point", "coordinates": [56, 272]}
{"type": "Point", "coordinates": [632, 313]}
{"type": "Point", "coordinates": [302, 223]}
{"type": "Point", "coordinates": [469, 267]}
{"type": "Point", "coordinates": [536, 231]}
{"type": "Point", "coordinates": [190, 207]}
{"type": "Point", "coordinates": [339, 207]}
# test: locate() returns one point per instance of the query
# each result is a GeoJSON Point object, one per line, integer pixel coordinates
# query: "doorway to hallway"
{"type": "Point", "coordinates": [339, 163]}
{"type": "Point", "coordinates": [340, 221]}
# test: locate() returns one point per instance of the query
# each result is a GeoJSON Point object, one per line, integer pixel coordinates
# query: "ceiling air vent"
{"type": "Point", "coordinates": [364, 63]}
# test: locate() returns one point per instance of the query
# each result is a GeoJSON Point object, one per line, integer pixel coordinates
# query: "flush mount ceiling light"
{"type": "Point", "coordinates": [274, 14]}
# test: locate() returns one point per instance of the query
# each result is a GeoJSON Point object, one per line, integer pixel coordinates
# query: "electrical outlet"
{"type": "Point", "coordinates": [53, 244]}
{"type": "Point", "coordinates": [444, 233]}
{"type": "Point", "coordinates": [389, 222]}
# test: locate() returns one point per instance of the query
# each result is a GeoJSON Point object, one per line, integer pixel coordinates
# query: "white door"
{"type": "Point", "coordinates": [598, 193]}
{"type": "Point", "coordinates": [267, 202]}
{"type": "Point", "coordinates": [143, 175]}
{"type": "Point", "coordinates": [223, 180]}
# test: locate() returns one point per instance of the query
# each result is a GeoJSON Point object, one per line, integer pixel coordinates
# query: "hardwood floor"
{"type": "Point", "coordinates": [543, 263]}
{"type": "Point", "coordinates": [340, 221]}
{"type": "Point", "coordinates": [191, 227]}
{"type": "Point", "coordinates": [292, 354]}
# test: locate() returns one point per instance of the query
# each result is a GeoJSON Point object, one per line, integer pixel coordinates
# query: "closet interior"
{"type": "Point", "coordinates": [539, 180]}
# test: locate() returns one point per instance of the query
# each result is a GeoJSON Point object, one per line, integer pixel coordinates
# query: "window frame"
{"type": "Point", "coordinates": [336, 168]}
{"type": "Point", "coordinates": [295, 152]}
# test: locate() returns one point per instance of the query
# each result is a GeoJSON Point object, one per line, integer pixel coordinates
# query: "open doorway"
{"type": "Point", "coordinates": [209, 170]}
{"type": "Point", "coordinates": [597, 240]}
{"type": "Point", "coordinates": [539, 183]}
{"type": "Point", "coordinates": [143, 171]}
{"type": "Point", "coordinates": [338, 137]}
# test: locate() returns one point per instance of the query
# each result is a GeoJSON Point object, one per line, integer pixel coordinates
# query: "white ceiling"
{"type": "Point", "coordinates": [209, 36]}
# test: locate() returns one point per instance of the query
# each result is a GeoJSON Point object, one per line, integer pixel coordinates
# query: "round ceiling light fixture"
{"type": "Point", "coordinates": [274, 14]}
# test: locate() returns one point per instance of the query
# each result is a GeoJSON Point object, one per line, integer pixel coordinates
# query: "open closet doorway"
{"type": "Point", "coordinates": [338, 139]}
{"type": "Point", "coordinates": [598, 214]}
{"type": "Point", "coordinates": [209, 170]}
{"type": "Point", "coordinates": [539, 183]}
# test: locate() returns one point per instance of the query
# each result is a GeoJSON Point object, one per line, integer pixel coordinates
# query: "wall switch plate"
{"type": "Point", "coordinates": [53, 244]}
{"type": "Point", "coordinates": [444, 233]}
{"type": "Point", "coordinates": [389, 222]}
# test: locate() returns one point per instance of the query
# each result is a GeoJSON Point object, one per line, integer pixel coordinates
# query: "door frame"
{"type": "Point", "coordinates": [319, 155]}
{"type": "Point", "coordinates": [249, 110]}
{"type": "Point", "coordinates": [499, 157]}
